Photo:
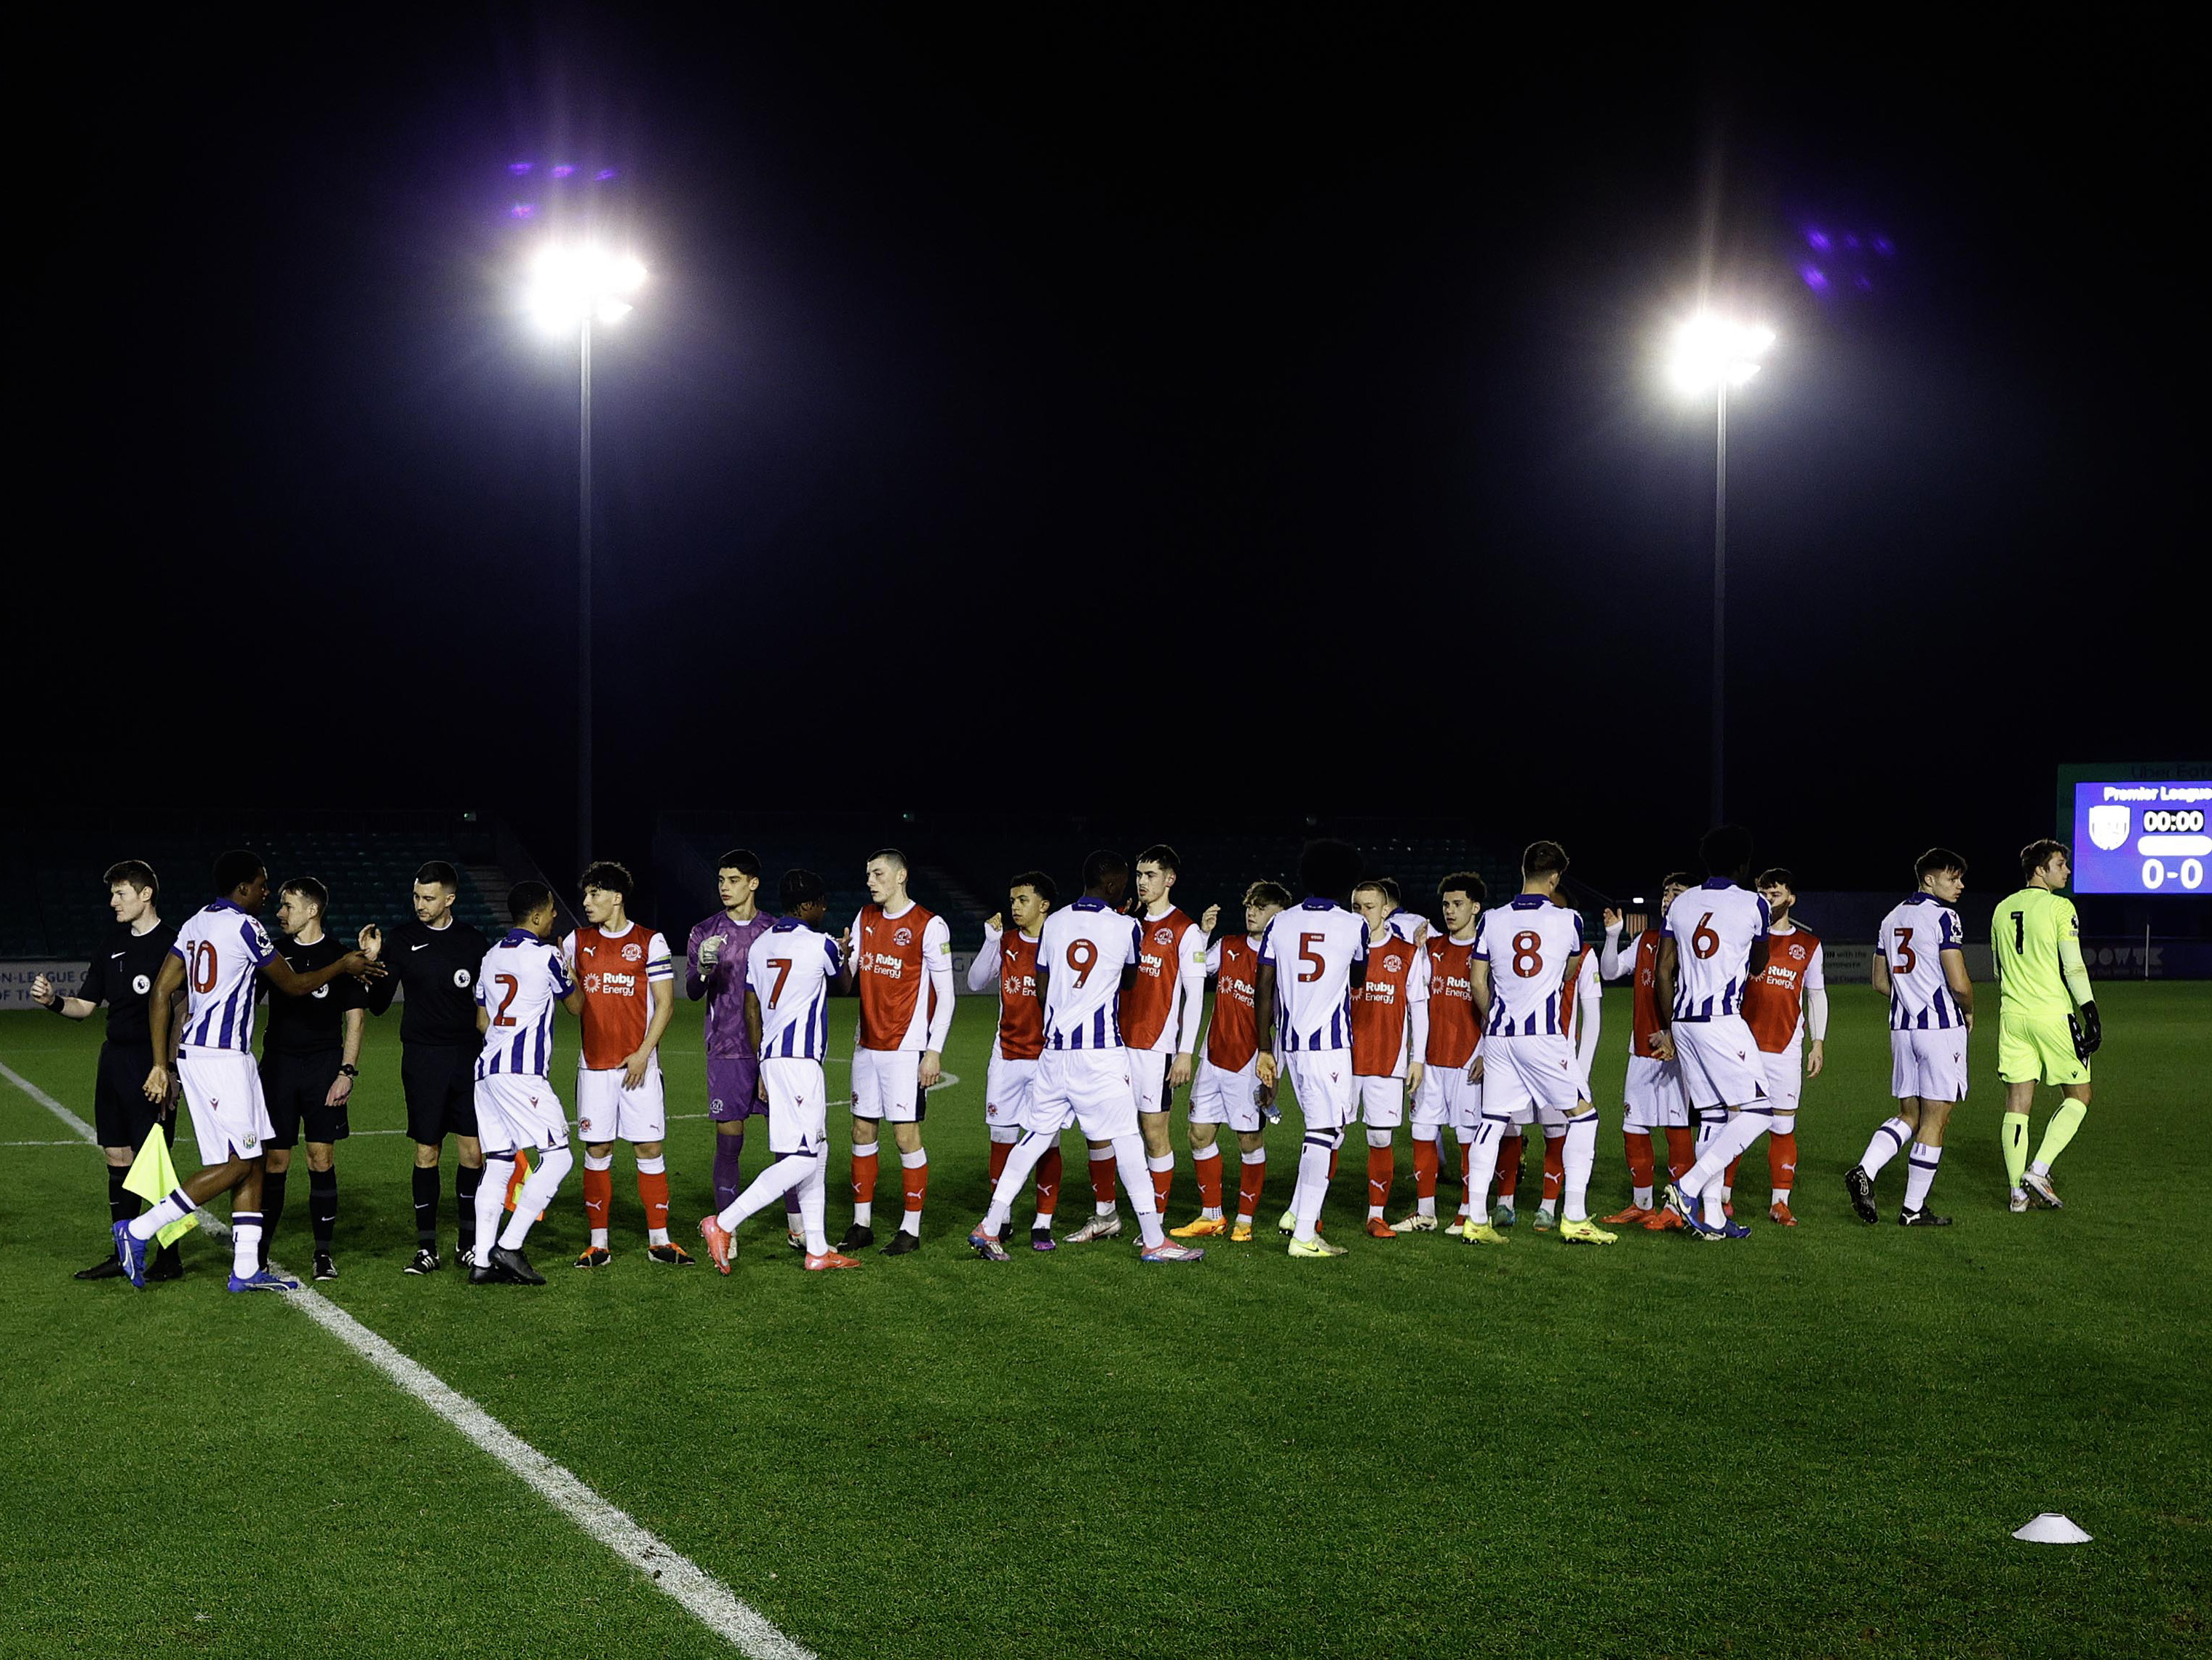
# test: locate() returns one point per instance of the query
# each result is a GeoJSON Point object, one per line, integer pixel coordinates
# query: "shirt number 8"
{"type": "Point", "coordinates": [1527, 955]}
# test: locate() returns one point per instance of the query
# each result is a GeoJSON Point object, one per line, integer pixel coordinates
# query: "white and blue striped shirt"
{"type": "Point", "coordinates": [789, 969]}
{"type": "Point", "coordinates": [1315, 947]}
{"type": "Point", "coordinates": [221, 948]}
{"type": "Point", "coordinates": [1528, 943]}
{"type": "Point", "coordinates": [522, 978]}
{"type": "Point", "coordinates": [1913, 939]}
{"type": "Point", "coordinates": [1081, 951]}
{"type": "Point", "coordinates": [1713, 926]}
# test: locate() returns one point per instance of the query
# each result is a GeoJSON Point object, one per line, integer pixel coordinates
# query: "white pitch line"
{"type": "Point", "coordinates": [706, 1598]}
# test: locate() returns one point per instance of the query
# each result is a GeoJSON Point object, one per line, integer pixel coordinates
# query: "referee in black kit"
{"type": "Point", "coordinates": [310, 1055]}
{"type": "Point", "coordinates": [121, 974]}
{"type": "Point", "coordinates": [436, 959]}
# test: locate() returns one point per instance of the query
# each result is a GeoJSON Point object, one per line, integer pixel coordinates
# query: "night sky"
{"type": "Point", "coordinates": [1260, 417]}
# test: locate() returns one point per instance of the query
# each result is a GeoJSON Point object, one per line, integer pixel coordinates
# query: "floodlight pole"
{"type": "Point", "coordinates": [583, 609]}
{"type": "Point", "coordinates": [1720, 595]}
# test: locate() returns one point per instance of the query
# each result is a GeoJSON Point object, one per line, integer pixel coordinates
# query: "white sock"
{"type": "Point", "coordinates": [1642, 1198]}
{"type": "Point", "coordinates": [789, 1171]}
{"type": "Point", "coordinates": [152, 1221]}
{"type": "Point", "coordinates": [245, 1242]}
{"type": "Point", "coordinates": [1576, 1159]}
{"type": "Point", "coordinates": [1889, 1138]}
{"type": "Point", "coordinates": [1489, 1137]}
{"type": "Point", "coordinates": [1129, 1157]}
{"type": "Point", "coordinates": [910, 1220]}
{"type": "Point", "coordinates": [1319, 1147]}
{"type": "Point", "coordinates": [1726, 1145]}
{"type": "Point", "coordinates": [491, 1195]}
{"type": "Point", "coordinates": [2038, 1168]}
{"type": "Point", "coordinates": [1019, 1163]}
{"type": "Point", "coordinates": [1921, 1175]}
{"type": "Point", "coordinates": [604, 1161]}
{"type": "Point", "coordinates": [813, 1193]}
{"type": "Point", "coordinates": [536, 1194]}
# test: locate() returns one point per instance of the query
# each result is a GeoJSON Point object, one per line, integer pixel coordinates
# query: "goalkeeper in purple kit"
{"type": "Point", "coordinates": [715, 969]}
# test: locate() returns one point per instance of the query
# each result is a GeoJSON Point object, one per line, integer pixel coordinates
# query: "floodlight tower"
{"type": "Point", "coordinates": [1712, 354]}
{"type": "Point", "coordinates": [571, 287]}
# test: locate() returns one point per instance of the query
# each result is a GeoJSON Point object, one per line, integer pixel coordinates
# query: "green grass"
{"type": "Point", "coordinates": [1816, 1443]}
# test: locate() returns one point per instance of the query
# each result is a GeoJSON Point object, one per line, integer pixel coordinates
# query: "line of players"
{"type": "Point", "coordinates": [1412, 1017]}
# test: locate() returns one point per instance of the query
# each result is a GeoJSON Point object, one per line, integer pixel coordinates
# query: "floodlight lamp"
{"type": "Point", "coordinates": [1711, 351]}
{"type": "Point", "coordinates": [613, 311]}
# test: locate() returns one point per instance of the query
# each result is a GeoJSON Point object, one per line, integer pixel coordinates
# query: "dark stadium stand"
{"type": "Point", "coordinates": [368, 861]}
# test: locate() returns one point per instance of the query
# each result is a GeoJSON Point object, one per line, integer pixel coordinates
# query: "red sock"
{"type": "Point", "coordinates": [1637, 1144]}
{"type": "Point", "coordinates": [914, 1179]}
{"type": "Point", "coordinates": [1728, 1179]}
{"type": "Point", "coordinates": [1209, 1181]}
{"type": "Point", "coordinates": [1250, 1179]}
{"type": "Point", "coordinates": [1381, 1171]}
{"type": "Point", "coordinates": [1332, 1157]}
{"type": "Point", "coordinates": [1781, 1161]}
{"type": "Point", "coordinates": [1555, 1167]}
{"type": "Point", "coordinates": [1000, 1150]}
{"type": "Point", "coordinates": [1425, 1170]}
{"type": "Point", "coordinates": [864, 1177]}
{"type": "Point", "coordinates": [1101, 1175]}
{"type": "Point", "coordinates": [1681, 1150]}
{"type": "Point", "coordinates": [653, 1193]}
{"type": "Point", "coordinates": [1509, 1170]}
{"type": "Point", "coordinates": [1163, 1181]}
{"type": "Point", "coordinates": [599, 1197]}
{"type": "Point", "coordinates": [1048, 1181]}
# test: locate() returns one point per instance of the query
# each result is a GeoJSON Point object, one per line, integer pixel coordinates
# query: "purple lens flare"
{"type": "Point", "coordinates": [1815, 279]}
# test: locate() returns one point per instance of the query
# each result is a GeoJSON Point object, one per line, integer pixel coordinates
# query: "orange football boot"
{"type": "Point", "coordinates": [1379, 1229]}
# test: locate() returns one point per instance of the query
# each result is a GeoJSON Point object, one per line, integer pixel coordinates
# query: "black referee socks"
{"type": "Point", "coordinates": [323, 1205]}
{"type": "Point", "coordinates": [121, 1205]}
{"type": "Point", "coordinates": [426, 1207]}
{"type": "Point", "coordinates": [467, 1178]}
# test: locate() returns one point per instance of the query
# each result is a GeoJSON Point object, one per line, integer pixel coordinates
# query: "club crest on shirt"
{"type": "Point", "coordinates": [1392, 963]}
{"type": "Point", "coordinates": [1163, 936]}
{"type": "Point", "coordinates": [632, 952]}
{"type": "Point", "coordinates": [904, 938]}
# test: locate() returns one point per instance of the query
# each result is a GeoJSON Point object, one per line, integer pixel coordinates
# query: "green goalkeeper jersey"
{"type": "Point", "coordinates": [2036, 938]}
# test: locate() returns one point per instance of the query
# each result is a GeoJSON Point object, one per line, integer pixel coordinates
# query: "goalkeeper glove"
{"type": "Point", "coordinates": [2092, 1032]}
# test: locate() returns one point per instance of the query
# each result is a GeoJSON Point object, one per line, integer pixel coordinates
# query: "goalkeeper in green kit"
{"type": "Point", "coordinates": [2048, 1026]}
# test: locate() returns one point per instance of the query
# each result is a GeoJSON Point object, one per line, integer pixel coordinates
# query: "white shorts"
{"type": "Point", "coordinates": [518, 1110]}
{"type": "Point", "coordinates": [887, 1084]}
{"type": "Point", "coordinates": [1148, 1076]}
{"type": "Point", "coordinates": [1720, 1062]}
{"type": "Point", "coordinates": [230, 1116]}
{"type": "Point", "coordinates": [605, 1111]}
{"type": "Point", "coordinates": [797, 1105]}
{"type": "Point", "coordinates": [1007, 1088]}
{"type": "Point", "coordinates": [1652, 1097]}
{"type": "Point", "coordinates": [1446, 1099]}
{"type": "Point", "coordinates": [1929, 1066]}
{"type": "Point", "coordinates": [1323, 1081]}
{"type": "Point", "coordinates": [1524, 1076]}
{"type": "Point", "coordinates": [1381, 1102]}
{"type": "Point", "coordinates": [1786, 1077]}
{"type": "Point", "coordinates": [1089, 1088]}
{"type": "Point", "coordinates": [1226, 1098]}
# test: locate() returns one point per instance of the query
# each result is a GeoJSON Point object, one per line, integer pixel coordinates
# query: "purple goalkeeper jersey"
{"type": "Point", "coordinates": [724, 987]}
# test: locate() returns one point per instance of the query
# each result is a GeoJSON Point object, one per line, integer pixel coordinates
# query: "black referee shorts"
{"type": "Point", "coordinates": [122, 1115]}
{"type": "Point", "coordinates": [294, 1087]}
{"type": "Point", "coordinates": [441, 1092]}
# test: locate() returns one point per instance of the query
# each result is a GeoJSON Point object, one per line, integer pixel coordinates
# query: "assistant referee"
{"type": "Point", "coordinates": [436, 959]}
{"type": "Point", "coordinates": [121, 974]}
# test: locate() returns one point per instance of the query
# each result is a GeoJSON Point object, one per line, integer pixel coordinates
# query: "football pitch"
{"type": "Point", "coordinates": [1817, 1442]}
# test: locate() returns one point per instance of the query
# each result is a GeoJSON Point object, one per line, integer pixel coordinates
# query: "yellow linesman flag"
{"type": "Point", "coordinates": [514, 1182]}
{"type": "Point", "coordinates": [154, 1178]}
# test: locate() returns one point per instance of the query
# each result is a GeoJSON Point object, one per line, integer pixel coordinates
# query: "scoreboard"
{"type": "Point", "coordinates": [2141, 836]}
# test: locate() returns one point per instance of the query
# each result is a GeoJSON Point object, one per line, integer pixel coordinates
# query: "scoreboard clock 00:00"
{"type": "Point", "coordinates": [2142, 835]}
